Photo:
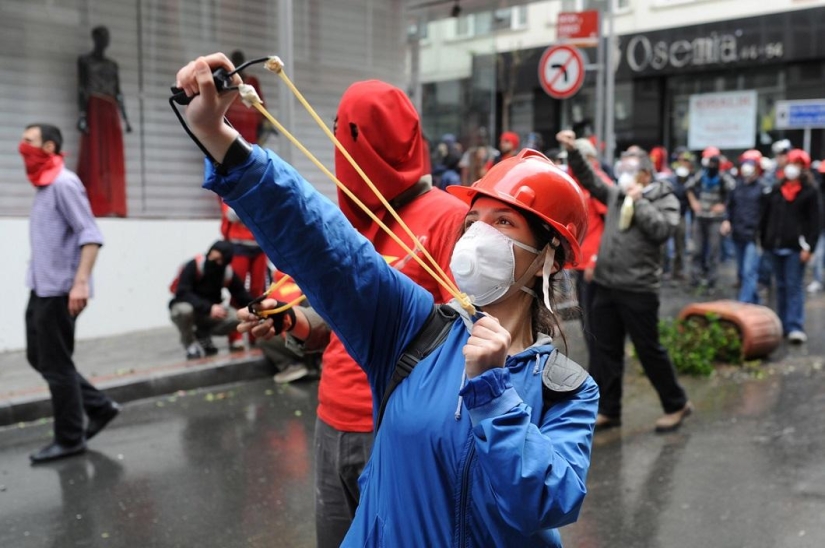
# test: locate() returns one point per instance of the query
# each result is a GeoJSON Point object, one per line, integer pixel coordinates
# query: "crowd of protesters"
{"type": "Point", "coordinates": [764, 213]}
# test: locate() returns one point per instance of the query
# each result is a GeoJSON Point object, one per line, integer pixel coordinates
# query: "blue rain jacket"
{"type": "Point", "coordinates": [491, 470]}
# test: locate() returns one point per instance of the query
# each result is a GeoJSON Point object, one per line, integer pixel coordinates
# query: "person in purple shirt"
{"type": "Point", "coordinates": [64, 244]}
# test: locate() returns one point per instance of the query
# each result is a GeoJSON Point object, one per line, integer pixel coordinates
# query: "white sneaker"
{"type": "Point", "coordinates": [814, 287]}
{"type": "Point", "coordinates": [292, 373]}
{"type": "Point", "coordinates": [797, 337]}
{"type": "Point", "coordinates": [194, 351]}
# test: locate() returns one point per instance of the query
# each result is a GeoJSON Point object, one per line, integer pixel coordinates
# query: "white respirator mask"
{"type": "Point", "coordinates": [626, 180]}
{"type": "Point", "coordinates": [484, 264]}
{"type": "Point", "coordinates": [682, 172]}
{"type": "Point", "coordinates": [792, 172]}
{"type": "Point", "coordinates": [747, 170]}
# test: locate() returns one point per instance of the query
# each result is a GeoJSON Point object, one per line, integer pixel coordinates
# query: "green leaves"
{"type": "Point", "coordinates": [697, 343]}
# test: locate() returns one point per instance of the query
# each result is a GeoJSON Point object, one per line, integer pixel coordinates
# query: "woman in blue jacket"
{"type": "Point", "coordinates": [487, 443]}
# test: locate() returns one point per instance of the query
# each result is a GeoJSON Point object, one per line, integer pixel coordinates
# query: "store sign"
{"type": "Point", "coordinates": [581, 27]}
{"type": "Point", "coordinates": [724, 120]}
{"type": "Point", "coordinates": [800, 114]}
{"type": "Point", "coordinates": [643, 54]}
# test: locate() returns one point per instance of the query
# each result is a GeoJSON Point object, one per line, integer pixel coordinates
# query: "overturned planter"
{"type": "Point", "coordinates": [759, 326]}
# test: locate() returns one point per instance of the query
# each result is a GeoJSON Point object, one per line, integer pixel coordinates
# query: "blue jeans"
{"type": "Point", "coordinates": [790, 298]}
{"type": "Point", "coordinates": [747, 269]}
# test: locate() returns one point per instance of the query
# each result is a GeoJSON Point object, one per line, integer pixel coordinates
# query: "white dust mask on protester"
{"type": "Point", "coordinates": [792, 172]}
{"type": "Point", "coordinates": [626, 180]}
{"type": "Point", "coordinates": [484, 263]}
{"type": "Point", "coordinates": [682, 172]}
{"type": "Point", "coordinates": [747, 170]}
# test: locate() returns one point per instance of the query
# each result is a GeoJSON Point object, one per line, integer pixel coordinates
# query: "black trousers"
{"type": "Point", "coordinates": [584, 291]}
{"type": "Point", "coordinates": [615, 314]}
{"type": "Point", "coordinates": [49, 349]}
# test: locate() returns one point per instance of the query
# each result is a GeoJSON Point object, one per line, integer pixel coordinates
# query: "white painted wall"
{"type": "Point", "coordinates": [135, 266]}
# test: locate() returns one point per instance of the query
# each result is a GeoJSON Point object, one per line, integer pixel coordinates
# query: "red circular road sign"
{"type": "Point", "coordinates": [561, 71]}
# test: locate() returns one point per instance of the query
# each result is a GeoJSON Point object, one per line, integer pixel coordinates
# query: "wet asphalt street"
{"type": "Point", "coordinates": [212, 468]}
{"type": "Point", "coordinates": [232, 467]}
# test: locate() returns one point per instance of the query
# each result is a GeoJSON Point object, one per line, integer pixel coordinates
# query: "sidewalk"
{"type": "Point", "coordinates": [128, 367]}
{"type": "Point", "coordinates": [151, 363]}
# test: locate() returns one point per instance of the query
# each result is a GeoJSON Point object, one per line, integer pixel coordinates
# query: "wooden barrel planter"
{"type": "Point", "coordinates": [759, 326]}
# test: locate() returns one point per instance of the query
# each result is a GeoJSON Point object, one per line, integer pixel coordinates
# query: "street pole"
{"type": "Point", "coordinates": [286, 102]}
{"type": "Point", "coordinates": [600, 89]}
{"type": "Point", "coordinates": [414, 45]}
{"type": "Point", "coordinates": [610, 74]}
{"type": "Point", "coordinates": [806, 140]}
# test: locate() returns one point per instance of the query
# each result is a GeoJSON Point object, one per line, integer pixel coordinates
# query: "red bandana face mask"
{"type": "Point", "coordinates": [41, 167]}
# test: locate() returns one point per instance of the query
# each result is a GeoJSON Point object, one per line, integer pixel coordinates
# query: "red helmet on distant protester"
{"type": "Point", "coordinates": [531, 182]}
{"type": "Point", "coordinates": [799, 156]}
{"type": "Point", "coordinates": [751, 155]}
{"type": "Point", "coordinates": [710, 152]}
{"type": "Point", "coordinates": [511, 137]}
{"type": "Point", "coordinates": [754, 158]}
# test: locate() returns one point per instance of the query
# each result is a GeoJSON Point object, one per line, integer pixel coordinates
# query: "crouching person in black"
{"type": "Point", "coordinates": [197, 308]}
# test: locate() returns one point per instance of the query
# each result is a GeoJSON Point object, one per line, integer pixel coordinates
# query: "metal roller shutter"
{"type": "Point", "coordinates": [336, 43]}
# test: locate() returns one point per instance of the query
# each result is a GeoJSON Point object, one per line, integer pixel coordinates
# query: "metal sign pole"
{"type": "Point", "coordinates": [806, 140]}
{"type": "Point", "coordinates": [600, 90]}
{"type": "Point", "coordinates": [610, 91]}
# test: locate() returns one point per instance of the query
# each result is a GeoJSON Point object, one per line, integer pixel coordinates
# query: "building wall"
{"type": "Point", "coordinates": [336, 43]}
{"type": "Point", "coordinates": [131, 279]}
{"type": "Point", "coordinates": [170, 217]}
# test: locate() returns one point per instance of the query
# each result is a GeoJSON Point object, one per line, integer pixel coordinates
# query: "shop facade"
{"type": "Point", "coordinates": [769, 58]}
{"type": "Point", "coordinates": [169, 217]}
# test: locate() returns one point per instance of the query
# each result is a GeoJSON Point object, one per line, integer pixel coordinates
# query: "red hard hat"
{"type": "Point", "coordinates": [751, 155]}
{"type": "Point", "coordinates": [531, 182]}
{"type": "Point", "coordinates": [799, 156]}
{"type": "Point", "coordinates": [710, 152]}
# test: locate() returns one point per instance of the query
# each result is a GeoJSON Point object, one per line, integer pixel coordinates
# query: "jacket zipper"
{"type": "Point", "coordinates": [465, 493]}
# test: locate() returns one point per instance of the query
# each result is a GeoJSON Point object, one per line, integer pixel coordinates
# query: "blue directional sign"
{"type": "Point", "coordinates": [800, 114]}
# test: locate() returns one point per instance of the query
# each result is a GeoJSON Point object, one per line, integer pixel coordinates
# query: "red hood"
{"type": "Point", "coordinates": [380, 128]}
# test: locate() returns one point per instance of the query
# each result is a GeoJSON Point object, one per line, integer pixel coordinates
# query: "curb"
{"type": "Point", "coordinates": [123, 390]}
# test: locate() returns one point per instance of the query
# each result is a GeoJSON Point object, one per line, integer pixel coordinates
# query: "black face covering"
{"type": "Point", "coordinates": [713, 167]}
{"type": "Point", "coordinates": [225, 249]}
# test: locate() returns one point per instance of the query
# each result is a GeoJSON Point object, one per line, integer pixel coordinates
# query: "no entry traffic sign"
{"type": "Point", "coordinates": [561, 71]}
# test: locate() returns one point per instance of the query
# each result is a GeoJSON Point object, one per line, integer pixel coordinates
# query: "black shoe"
{"type": "Point", "coordinates": [55, 451]}
{"type": "Point", "coordinates": [208, 347]}
{"type": "Point", "coordinates": [100, 420]}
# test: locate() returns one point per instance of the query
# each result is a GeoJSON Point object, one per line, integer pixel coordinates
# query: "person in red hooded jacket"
{"type": "Point", "coordinates": [380, 128]}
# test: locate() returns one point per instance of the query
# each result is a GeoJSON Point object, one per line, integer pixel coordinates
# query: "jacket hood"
{"type": "Point", "coordinates": [380, 128]}
{"type": "Point", "coordinates": [225, 248]}
{"type": "Point", "coordinates": [543, 345]}
{"type": "Point", "coordinates": [657, 190]}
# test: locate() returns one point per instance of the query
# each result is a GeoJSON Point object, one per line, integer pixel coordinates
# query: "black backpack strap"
{"type": "Point", "coordinates": [431, 336]}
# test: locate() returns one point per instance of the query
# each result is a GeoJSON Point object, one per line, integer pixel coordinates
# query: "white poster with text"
{"type": "Point", "coordinates": [724, 120]}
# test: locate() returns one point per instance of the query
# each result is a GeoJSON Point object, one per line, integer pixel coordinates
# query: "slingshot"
{"type": "Point", "coordinates": [223, 83]}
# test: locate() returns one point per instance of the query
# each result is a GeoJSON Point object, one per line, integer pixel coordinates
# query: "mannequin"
{"type": "Point", "coordinates": [249, 122]}
{"type": "Point", "coordinates": [101, 162]}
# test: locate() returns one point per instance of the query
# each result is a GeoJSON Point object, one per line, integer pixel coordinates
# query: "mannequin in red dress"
{"type": "Point", "coordinates": [101, 163]}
